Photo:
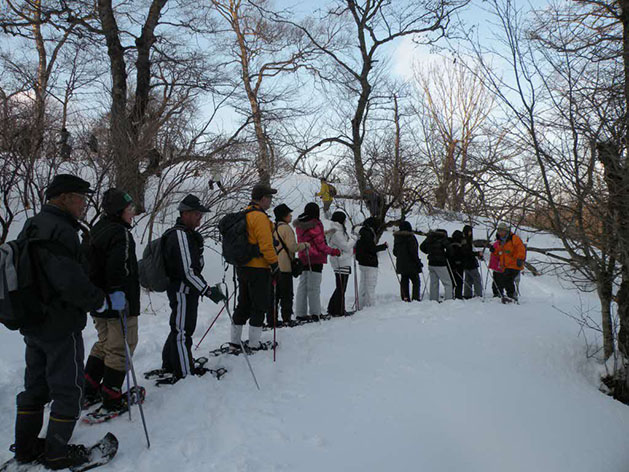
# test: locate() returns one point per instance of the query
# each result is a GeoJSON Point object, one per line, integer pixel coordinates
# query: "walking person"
{"type": "Point", "coordinates": [113, 267]}
{"type": "Point", "coordinates": [407, 261]}
{"type": "Point", "coordinates": [367, 257]}
{"type": "Point", "coordinates": [54, 348]}
{"type": "Point", "coordinates": [310, 230]}
{"type": "Point", "coordinates": [327, 194]}
{"type": "Point", "coordinates": [340, 239]}
{"type": "Point", "coordinates": [437, 247]}
{"type": "Point", "coordinates": [254, 278]}
{"type": "Point", "coordinates": [288, 246]}
{"type": "Point", "coordinates": [183, 259]}
{"type": "Point", "coordinates": [511, 252]}
{"type": "Point", "coordinates": [472, 280]}
{"type": "Point", "coordinates": [456, 260]}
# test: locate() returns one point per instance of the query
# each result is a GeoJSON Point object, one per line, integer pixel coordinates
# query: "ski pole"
{"type": "Point", "coordinates": [212, 324]}
{"type": "Point", "coordinates": [356, 298]}
{"type": "Point", "coordinates": [123, 321]}
{"type": "Point", "coordinates": [393, 264]}
{"type": "Point", "coordinates": [242, 347]}
{"type": "Point", "coordinates": [123, 325]}
{"type": "Point", "coordinates": [454, 283]}
{"type": "Point", "coordinates": [424, 279]}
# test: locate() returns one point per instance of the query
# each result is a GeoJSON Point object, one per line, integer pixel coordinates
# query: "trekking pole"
{"type": "Point", "coordinates": [393, 264]}
{"type": "Point", "coordinates": [212, 324]}
{"type": "Point", "coordinates": [242, 347]}
{"type": "Point", "coordinates": [356, 298]}
{"type": "Point", "coordinates": [424, 279]}
{"type": "Point", "coordinates": [274, 282]}
{"type": "Point", "coordinates": [454, 283]}
{"type": "Point", "coordinates": [129, 361]}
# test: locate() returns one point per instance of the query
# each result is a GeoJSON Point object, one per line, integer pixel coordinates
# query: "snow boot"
{"type": "Point", "coordinates": [111, 391]}
{"type": "Point", "coordinates": [59, 454]}
{"type": "Point", "coordinates": [28, 447]}
{"type": "Point", "coordinates": [236, 335]}
{"type": "Point", "coordinates": [94, 370]}
{"type": "Point", "coordinates": [255, 333]}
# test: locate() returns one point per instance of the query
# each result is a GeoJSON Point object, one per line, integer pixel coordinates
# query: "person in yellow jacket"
{"type": "Point", "coordinates": [511, 253]}
{"type": "Point", "coordinates": [326, 193]}
{"type": "Point", "coordinates": [254, 278]}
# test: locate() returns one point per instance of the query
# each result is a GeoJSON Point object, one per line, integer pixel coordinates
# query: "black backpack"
{"type": "Point", "coordinates": [23, 288]}
{"type": "Point", "coordinates": [236, 247]}
{"type": "Point", "coordinates": [152, 267]}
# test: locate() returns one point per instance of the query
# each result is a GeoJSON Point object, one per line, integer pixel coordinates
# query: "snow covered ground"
{"type": "Point", "coordinates": [457, 386]}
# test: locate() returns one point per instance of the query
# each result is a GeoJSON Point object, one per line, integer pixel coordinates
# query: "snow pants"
{"type": "Point", "coordinates": [472, 283]}
{"type": "Point", "coordinates": [308, 298]}
{"type": "Point", "coordinates": [177, 354]}
{"type": "Point", "coordinates": [506, 282]}
{"type": "Point", "coordinates": [254, 292]}
{"type": "Point", "coordinates": [283, 299]}
{"type": "Point", "coordinates": [336, 305]}
{"type": "Point", "coordinates": [110, 345]}
{"type": "Point", "coordinates": [413, 279]}
{"type": "Point", "coordinates": [440, 274]}
{"type": "Point", "coordinates": [368, 282]}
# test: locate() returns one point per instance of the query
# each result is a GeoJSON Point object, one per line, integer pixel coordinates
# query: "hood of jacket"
{"type": "Point", "coordinates": [305, 225]}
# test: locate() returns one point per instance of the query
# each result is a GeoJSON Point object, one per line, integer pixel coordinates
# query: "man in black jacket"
{"type": "Point", "coordinates": [408, 263]}
{"type": "Point", "coordinates": [367, 258]}
{"type": "Point", "coordinates": [437, 246]}
{"type": "Point", "coordinates": [183, 256]}
{"type": "Point", "coordinates": [113, 267]}
{"type": "Point", "coordinates": [472, 281]}
{"type": "Point", "coordinates": [54, 349]}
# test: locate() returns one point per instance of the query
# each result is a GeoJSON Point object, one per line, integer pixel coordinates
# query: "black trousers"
{"type": "Point", "coordinates": [254, 287]}
{"type": "Point", "coordinates": [54, 371]}
{"type": "Point", "coordinates": [336, 305]}
{"type": "Point", "coordinates": [457, 279]}
{"type": "Point", "coordinates": [405, 279]}
{"type": "Point", "coordinates": [283, 299]}
{"type": "Point", "coordinates": [505, 282]}
{"type": "Point", "coordinates": [177, 353]}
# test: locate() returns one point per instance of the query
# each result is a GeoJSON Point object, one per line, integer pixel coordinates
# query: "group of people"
{"type": "Point", "coordinates": [99, 275]}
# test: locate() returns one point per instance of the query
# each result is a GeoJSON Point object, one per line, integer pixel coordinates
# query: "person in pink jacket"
{"type": "Point", "coordinates": [309, 229]}
{"type": "Point", "coordinates": [494, 266]}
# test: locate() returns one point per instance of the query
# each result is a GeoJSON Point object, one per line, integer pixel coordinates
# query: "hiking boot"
{"type": "Point", "coordinates": [76, 455]}
{"type": "Point", "coordinates": [33, 454]}
{"type": "Point", "coordinates": [303, 318]}
{"type": "Point", "coordinates": [111, 390]}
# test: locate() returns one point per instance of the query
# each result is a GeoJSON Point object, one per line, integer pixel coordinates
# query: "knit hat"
{"type": "Point", "coordinates": [192, 203]}
{"type": "Point", "coordinates": [467, 229]}
{"type": "Point", "coordinates": [339, 217]}
{"type": "Point", "coordinates": [457, 236]}
{"type": "Point", "coordinates": [405, 226]}
{"type": "Point", "coordinates": [67, 183]}
{"type": "Point", "coordinates": [372, 222]}
{"type": "Point", "coordinates": [115, 201]}
{"type": "Point", "coordinates": [311, 212]}
{"type": "Point", "coordinates": [281, 211]}
{"type": "Point", "coordinates": [261, 190]}
{"type": "Point", "coordinates": [502, 227]}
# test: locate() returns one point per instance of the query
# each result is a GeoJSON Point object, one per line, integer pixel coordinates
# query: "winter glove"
{"type": "Point", "coordinates": [337, 253]}
{"type": "Point", "coordinates": [115, 301]}
{"type": "Point", "coordinates": [492, 249]}
{"type": "Point", "coordinates": [275, 269]}
{"type": "Point", "coordinates": [520, 262]}
{"type": "Point", "coordinates": [215, 294]}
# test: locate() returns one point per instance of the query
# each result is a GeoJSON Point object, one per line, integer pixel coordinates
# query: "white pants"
{"type": "Point", "coordinates": [308, 294]}
{"type": "Point", "coordinates": [440, 274]}
{"type": "Point", "coordinates": [368, 281]}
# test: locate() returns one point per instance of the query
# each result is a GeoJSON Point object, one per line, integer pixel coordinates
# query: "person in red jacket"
{"type": "Point", "coordinates": [511, 253]}
{"type": "Point", "coordinates": [310, 230]}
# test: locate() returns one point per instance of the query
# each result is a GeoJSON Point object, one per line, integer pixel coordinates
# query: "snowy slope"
{"type": "Point", "coordinates": [457, 386]}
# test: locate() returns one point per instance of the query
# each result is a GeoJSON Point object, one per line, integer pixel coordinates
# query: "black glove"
{"type": "Point", "coordinates": [275, 269]}
{"type": "Point", "coordinates": [492, 249]}
{"type": "Point", "coordinates": [215, 294]}
{"type": "Point", "coordinates": [520, 262]}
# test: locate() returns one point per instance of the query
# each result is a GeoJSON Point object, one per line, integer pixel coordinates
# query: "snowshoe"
{"type": "Point", "coordinates": [103, 414]}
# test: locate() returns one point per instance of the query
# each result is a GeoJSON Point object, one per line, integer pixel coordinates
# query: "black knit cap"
{"type": "Point", "coordinates": [192, 203]}
{"type": "Point", "coordinates": [311, 212]}
{"type": "Point", "coordinates": [406, 226]}
{"type": "Point", "coordinates": [457, 236]}
{"type": "Point", "coordinates": [281, 211]}
{"type": "Point", "coordinates": [67, 183]}
{"type": "Point", "coordinates": [261, 190]}
{"type": "Point", "coordinates": [115, 201]}
{"type": "Point", "coordinates": [339, 217]}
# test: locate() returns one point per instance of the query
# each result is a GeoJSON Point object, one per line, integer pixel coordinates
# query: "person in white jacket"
{"type": "Point", "coordinates": [339, 238]}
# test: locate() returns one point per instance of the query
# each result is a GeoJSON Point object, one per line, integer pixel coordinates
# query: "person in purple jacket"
{"type": "Point", "coordinates": [310, 230]}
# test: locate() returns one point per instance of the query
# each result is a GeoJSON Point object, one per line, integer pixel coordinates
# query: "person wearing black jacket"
{"type": "Point", "coordinates": [407, 262]}
{"type": "Point", "coordinates": [367, 258]}
{"type": "Point", "coordinates": [437, 246]}
{"type": "Point", "coordinates": [54, 349]}
{"type": "Point", "coordinates": [113, 266]}
{"type": "Point", "coordinates": [472, 281]}
{"type": "Point", "coordinates": [456, 258]}
{"type": "Point", "coordinates": [183, 256]}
